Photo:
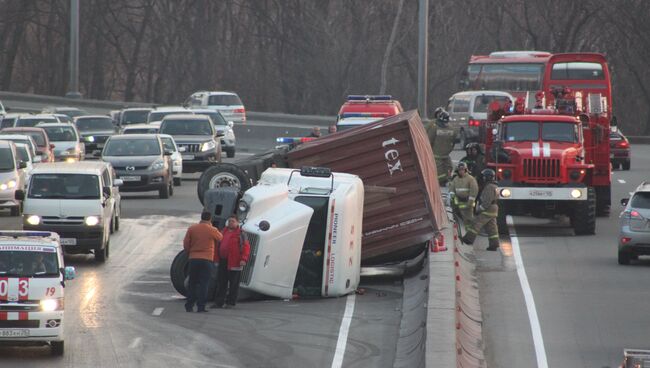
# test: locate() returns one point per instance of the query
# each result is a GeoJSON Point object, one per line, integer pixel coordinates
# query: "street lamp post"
{"type": "Point", "coordinates": [423, 13]}
{"type": "Point", "coordinates": [73, 84]}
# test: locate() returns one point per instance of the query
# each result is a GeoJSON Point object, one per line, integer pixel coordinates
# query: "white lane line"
{"type": "Point", "coordinates": [538, 340]}
{"type": "Point", "coordinates": [157, 311]}
{"type": "Point", "coordinates": [621, 181]}
{"type": "Point", "coordinates": [135, 343]}
{"type": "Point", "coordinates": [342, 342]}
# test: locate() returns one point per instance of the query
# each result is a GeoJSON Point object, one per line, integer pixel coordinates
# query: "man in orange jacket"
{"type": "Point", "coordinates": [199, 243]}
{"type": "Point", "coordinates": [232, 255]}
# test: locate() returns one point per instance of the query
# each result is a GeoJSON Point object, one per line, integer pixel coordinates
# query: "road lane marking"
{"type": "Point", "coordinates": [135, 343]}
{"type": "Point", "coordinates": [538, 340]}
{"type": "Point", "coordinates": [342, 342]}
{"type": "Point", "coordinates": [621, 181]}
{"type": "Point", "coordinates": [157, 311]}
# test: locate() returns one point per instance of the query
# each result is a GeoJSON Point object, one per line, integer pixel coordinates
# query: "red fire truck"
{"type": "Point", "coordinates": [551, 147]}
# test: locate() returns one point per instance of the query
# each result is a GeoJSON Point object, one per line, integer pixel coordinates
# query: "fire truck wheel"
{"type": "Point", "coordinates": [584, 215]}
{"type": "Point", "coordinates": [222, 175]}
{"type": "Point", "coordinates": [501, 218]}
{"type": "Point", "coordinates": [626, 165]}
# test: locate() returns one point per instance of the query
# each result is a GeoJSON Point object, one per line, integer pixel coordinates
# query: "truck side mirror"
{"type": "Point", "coordinates": [19, 195]}
{"type": "Point", "coordinates": [624, 201]}
{"type": "Point", "coordinates": [69, 273]}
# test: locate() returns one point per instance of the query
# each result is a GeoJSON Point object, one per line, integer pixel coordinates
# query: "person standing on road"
{"type": "Point", "coordinates": [475, 160]}
{"type": "Point", "coordinates": [463, 190]}
{"type": "Point", "coordinates": [441, 138]}
{"type": "Point", "coordinates": [199, 243]}
{"type": "Point", "coordinates": [331, 129]}
{"type": "Point", "coordinates": [315, 132]}
{"type": "Point", "coordinates": [231, 255]}
{"type": "Point", "coordinates": [488, 211]}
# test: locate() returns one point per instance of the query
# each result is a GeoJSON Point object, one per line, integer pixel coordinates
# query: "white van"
{"type": "Point", "coordinates": [80, 201]}
{"type": "Point", "coordinates": [304, 227]}
{"type": "Point", "coordinates": [32, 281]}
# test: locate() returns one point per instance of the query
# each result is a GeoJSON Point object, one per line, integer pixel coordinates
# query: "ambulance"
{"type": "Point", "coordinates": [32, 279]}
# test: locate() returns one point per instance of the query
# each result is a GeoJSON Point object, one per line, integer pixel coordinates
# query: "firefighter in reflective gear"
{"type": "Point", "coordinates": [463, 190]}
{"type": "Point", "coordinates": [487, 212]}
{"type": "Point", "coordinates": [475, 159]}
{"type": "Point", "coordinates": [442, 139]}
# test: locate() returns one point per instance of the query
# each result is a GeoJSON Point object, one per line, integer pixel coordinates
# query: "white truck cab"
{"type": "Point", "coordinates": [304, 227]}
{"type": "Point", "coordinates": [32, 281]}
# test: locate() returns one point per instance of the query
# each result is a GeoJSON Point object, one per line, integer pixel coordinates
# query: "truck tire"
{"type": "Point", "coordinates": [584, 215]}
{"type": "Point", "coordinates": [624, 257]}
{"type": "Point", "coordinates": [179, 274]}
{"type": "Point", "coordinates": [222, 175]}
{"type": "Point", "coordinates": [603, 201]}
{"type": "Point", "coordinates": [501, 218]}
{"type": "Point", "coordinates": [626, 165]}
{"type": "Point", "coordinates": [57, 348]}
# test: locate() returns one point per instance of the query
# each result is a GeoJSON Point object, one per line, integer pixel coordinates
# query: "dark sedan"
{"type": "Point", "coordinates": [95, 131]}
{"type": "Point", "coordinates": [619, 150]}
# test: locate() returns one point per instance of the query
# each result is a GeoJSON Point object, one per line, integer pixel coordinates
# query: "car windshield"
{"type": "Point", "coordinates": [60, 133]}
{"type": "Point", "coordinates": [29, 122]}
{"type": "Point", "coordinates": [168, 144]}
{"type": "Point", "coordinates": [224, 100]}
{"type": "Point", "coordinates": [159, 115]}
{"type": "Point", "coordinates": [134, 116]}
{"type": "Point", "coordinates": [93, 124]}
{"type": "Point", "coordinates": [22, 153]}
{"type": "Point", "coordinates": [560, 132]}
{"type": "Point", "coordinates": [6, 159]}
{"type": "Point", "coordinates": [64, 186]}
{"type": "Point", "coordinates": [641, 200]}
{"type": "Point", "coordinates": [481, 103]}
{"type": "Point", "coordinates": [28, 261]}
{"type": "Point", "coordinates": [217, 118]}
{"type": "Point", "coordinates": [521, 131]}
{"type": "Point", "coordinates": [186, 127]}
{"type": "Point", "coordinates": [132, 147]}
{"type": "Point", "coordinates": [38, 137]}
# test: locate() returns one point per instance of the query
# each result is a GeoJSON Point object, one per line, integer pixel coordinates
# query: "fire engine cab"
{"type": "Point", "coordinates": [32, 281]}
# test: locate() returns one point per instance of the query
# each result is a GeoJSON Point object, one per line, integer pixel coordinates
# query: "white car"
{"type": "Point", "coordinates": [12, 177]}
{"type": "Point", "coordinates": [34, 120]}
{"type": "Point", "coordinates": [24, 154]}
{"type": "Point", "coordinates": [227, 103]}
{"type": "Point", "coordinates": [140, 129]}
{"type": "Point", "coordinates": [66, 140]}
{"type": "Point", "coordinates": [20, 138]}
{"type": "Point", "coordinates": [177, 159]}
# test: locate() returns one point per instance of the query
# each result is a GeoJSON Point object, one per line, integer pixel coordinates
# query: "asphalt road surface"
{"type": "Point", "coordinates": [588, 307]}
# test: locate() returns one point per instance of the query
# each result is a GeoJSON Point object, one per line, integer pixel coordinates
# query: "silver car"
{"type": "Point", "coordinates": [634, 237]}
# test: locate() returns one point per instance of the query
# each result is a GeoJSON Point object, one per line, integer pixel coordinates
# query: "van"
{"type": "Point", "coordinates": [469, 109]}
{"type": "Point", "coordinates": [80, 201]}
{"type": "Point", "coordinates": [32, 283]}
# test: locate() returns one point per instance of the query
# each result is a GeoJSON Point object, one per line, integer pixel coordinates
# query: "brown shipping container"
{"type": "Point", "coordinates": [403, 207]}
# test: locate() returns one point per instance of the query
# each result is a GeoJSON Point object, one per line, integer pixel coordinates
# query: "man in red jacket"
{"type": "Point", "coordinates": [231, 254]}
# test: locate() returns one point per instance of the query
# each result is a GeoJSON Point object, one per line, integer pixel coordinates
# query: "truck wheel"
{"type": "Point", "coordinates": [603, 200]}
{"type": "Point", "coordinates": [501, 218]}
{"type": "Point", "coordinates": [626, 165]}
{"type": "Point", "coordinates": [15, 211]}
{"type": "Point", "coordinates": [222, 175]}
{"type": "Point", "coordinates": [178, 182]}
{"type": "Point", "coordinates": [623, 258]}
{"type": "Point", "coordinates": [178, 272]}
{"type": "Point", "coordinates": [584, 214]}
{"type": "Point", "coordinates": [163, 193]}
{"type": "Point", "coordinates": [57, 348]}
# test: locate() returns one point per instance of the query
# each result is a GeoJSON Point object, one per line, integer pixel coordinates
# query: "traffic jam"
{"type": "Point", "coordinates": [314, 209]}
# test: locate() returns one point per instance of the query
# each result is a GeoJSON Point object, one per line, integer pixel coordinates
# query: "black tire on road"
{"type": "Point", "coordinates": [15, 211]}
{"type": "Point", "coordinates": [102, 253]}
{"type": "Point", "coordinates": [222, 175]}
{"type": "Point", "coordinates": [57, 348]}
{"type": "Point", "coordinates": [171, 188]}
{"type": "Point", "coordinates": [624, 258]}
{"type": "Point", "coordinates": [179, 274]}
{"type": "Point", "coordinates": [626, 165]}
{"type": "Point", "coordinates": [584, 214]}
{"type": "Point", "coordinates": [117, 223]}
{"type": "Point", "coordinates": [178, 182]}
{"type": "Point", "coordinates": [163, 193]}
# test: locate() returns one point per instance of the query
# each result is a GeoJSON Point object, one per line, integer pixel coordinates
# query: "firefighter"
{"type": "Point", "coordinates": [463, 190]}
{"type": "Point", "coordinates": [487, 212]}
{"type": "Point", "coordinates": [442, 139]}
{"type": "Point", "coordinates": [475, 159]}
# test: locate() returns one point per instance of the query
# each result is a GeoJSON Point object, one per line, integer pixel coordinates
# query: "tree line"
{"type": "Point", "coordinates": [305, 56]}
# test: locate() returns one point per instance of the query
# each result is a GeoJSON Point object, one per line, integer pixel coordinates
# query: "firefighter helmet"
{"type": "Point", "coordinates": [441, 116]}
{"type": "Point", "coordinates": [461, 165]}
{"type": "Point", "coordinates": [488, 175]}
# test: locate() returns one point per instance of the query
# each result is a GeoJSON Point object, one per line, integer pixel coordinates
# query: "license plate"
{"type": "Point", "coordinates": [14, 333]}
{"type": "Point", "coordinates": [68, 241]}
{"type": "Point", "coordinates": [130, 178]}
{"type": "Point", "coordinates": [188, 157]}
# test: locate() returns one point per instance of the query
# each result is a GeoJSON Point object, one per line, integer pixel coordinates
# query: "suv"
{"type": "Point", "coordinates": [136, 115]}
{"type": "Point", "coordinates": [95, 131]}
{"type": "Point", "coordinates": [79, 201]}
{"type": "Point", "coordinates": [634, 233]}
{"type": "Point", "coordinates": [32, 285]}
{"type": "Point", "coordinates": [198, 137]}
{"type": "Point", "coordinates": [468, 110]}
{"type": "Point", "coordinates": [12, 177]}
{"type": "Point", "coordinates": [44, 149]}
{"type": "Point", "coordinates": [142, 163]}
{"type": "Point", "coordinates": [359, 110]}
{"type": "Point", "coordinates": [224, 129]}
{"type": "Point", "coordinates": [227, 103]}
{"type": "Point", "coordinates": [66, 141]}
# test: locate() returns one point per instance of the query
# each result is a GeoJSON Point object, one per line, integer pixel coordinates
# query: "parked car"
{"type": "Point", "coordinates": [44, 149]}
{"type": "Point", "coordinates": [177, 159]}
{"type": "Point", "coordinates": [80, 202]}
{"type": "Point", "coordinates": [142, 163]}
{"type": "Point", "coordinates": [468, 110]}
{"type": "Point", "coordinates": [66, 140]}
{"type": "Point", "coordinates": [227, 103]}
{"type": "Point", "coordinates": [140, 129]}
{"type": "Point", "coordinates": [634, 231]}
{"type": "Point", "coordinates": [159, 113]}
{"type": "Point", "coordinates": [198, 137]}
{"type": "Point", "coordinates": [95, 130]}
{"type": "Point", "coordinates": [34, 120]}
{"type": "Point", "coordinates": [135, 115]}
{"type": "Point", "coordinates": [72, 112]}
{"type": "Point", "coordinates": [224, 129]}
{"type": "Point", "coordinates": [12, 177]}
{"type": "Point", "coordinates": [619, 150]}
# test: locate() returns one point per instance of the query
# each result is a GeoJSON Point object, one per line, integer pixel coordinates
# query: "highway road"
{"type": "Point", "coordinates": [126, 313]}
{"type": "Point", "coordinates": [588, 307]}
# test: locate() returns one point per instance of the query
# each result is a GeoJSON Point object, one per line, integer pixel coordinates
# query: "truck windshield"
{"type": "Point", "coordinates": [64, 186]}
{"type": "Point", "coordinates": [506, 77]}
{"type": "Point", "coordinates": [560, 132]}
{"type": "Point", "coordinates": [28, 261]}
{"type": "Point", "coordinates": [521, 131]}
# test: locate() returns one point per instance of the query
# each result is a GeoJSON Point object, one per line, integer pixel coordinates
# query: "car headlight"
{"type": "Point", "coordinates": [50, 305]}
{"type": "Point", "coordinates": [90, 139]}
{"type": "Point", "coordinates": [158, 165]}
{"type": "Point", "coordinates": [208, 146]}
{"type": "Point", "coordinates": [576, 193]}
{"type": "Point", "coordinates": [33, 220]}
{"type": "Point", "coordinates": [91, 220]}
{"type": "Point", "coordinates": [8, 185]}
{"type": "Point", "coordinates": [506, 193]}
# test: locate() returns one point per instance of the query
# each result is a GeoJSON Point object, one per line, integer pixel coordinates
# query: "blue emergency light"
{"type": "Point", "coordinates": [292, 140]}
{"type": "Point", "coordinates": [15, 233]}
{"type": "Point", "coordinates": [370, 98]}
{"type": "Point", "coordinates": [346, 115]}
